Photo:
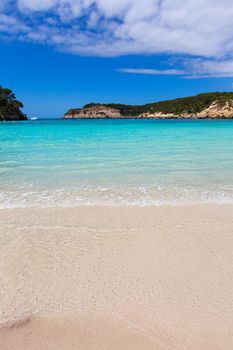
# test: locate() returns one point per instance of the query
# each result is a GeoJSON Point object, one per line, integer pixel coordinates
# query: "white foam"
{"type": "Point", "coordinates": [116, 196]}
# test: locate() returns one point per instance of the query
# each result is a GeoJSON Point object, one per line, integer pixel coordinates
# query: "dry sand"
{"type": "Point", "coordinates": [96, 278]}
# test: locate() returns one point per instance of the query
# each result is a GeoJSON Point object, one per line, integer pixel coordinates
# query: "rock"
{"type": "Point", "coordinates": [94, 112]}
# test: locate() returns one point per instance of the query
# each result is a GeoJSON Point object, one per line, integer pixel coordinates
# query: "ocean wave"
{"type": "Point", "coordinates": [158, 195]}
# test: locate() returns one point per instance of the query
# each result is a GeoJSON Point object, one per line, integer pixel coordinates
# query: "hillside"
{"type": "Point", "coordinates": [10, 108]}
{"type": "Point", "coordinates": [206, 105]}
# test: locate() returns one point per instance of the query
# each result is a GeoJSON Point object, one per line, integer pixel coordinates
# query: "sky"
{"type": "Point", "coordinates": [61, 54]}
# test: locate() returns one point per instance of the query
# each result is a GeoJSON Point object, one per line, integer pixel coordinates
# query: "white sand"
{"type": "Point", "coordinates": [117, 278]}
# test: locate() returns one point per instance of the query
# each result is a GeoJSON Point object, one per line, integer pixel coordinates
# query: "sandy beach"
{"type": "Point", "coordinates": [117, 278]}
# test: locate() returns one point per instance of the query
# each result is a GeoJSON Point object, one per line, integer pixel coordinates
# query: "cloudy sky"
{"type": "Point", "coordinates": [63, 53]}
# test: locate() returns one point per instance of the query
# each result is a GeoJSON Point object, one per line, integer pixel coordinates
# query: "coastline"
{"type": "Point", "coordinates": [152, 117]}
{"type": "Point", "coordinates": [202, 105]}
{"type": "Point", "coordinates": [117, 277]}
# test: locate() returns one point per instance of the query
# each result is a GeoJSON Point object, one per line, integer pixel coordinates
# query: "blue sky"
{"type": "Point", "coordinates": [58, 54]}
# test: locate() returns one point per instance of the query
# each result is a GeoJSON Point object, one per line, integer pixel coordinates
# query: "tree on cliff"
{"type": "Point", "coordinates": [10, 107]}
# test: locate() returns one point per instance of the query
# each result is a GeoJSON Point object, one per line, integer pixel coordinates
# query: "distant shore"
{"type": "Point", "coordinates": [150, 117]}
{"type": "Point", "coordinates": [208, 105]}
{"type": "Point", "coordinates": [120, 278]}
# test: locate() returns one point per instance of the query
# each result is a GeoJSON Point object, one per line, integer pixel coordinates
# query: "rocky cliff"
{"type": "Point", "coordinates": [210, 105]}
{"type": "Point", "coordinates": [214, 111]}
{"type": "Point", "coordinates": [92, 112]}
{"type": "Point", "coordinates": [218, 110]}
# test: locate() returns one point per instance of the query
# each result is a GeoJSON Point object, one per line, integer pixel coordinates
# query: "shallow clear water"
{"type": "Point", "coordinates": [138, 162]}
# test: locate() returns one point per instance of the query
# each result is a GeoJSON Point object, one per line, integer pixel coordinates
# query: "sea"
{"type": "Point", "coordinates": [68, 163]}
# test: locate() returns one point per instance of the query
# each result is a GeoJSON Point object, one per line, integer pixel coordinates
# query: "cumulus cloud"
{"type": "Point", "coordinates": [198, 29]}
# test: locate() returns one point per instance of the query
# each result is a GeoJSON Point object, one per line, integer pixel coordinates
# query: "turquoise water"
{"type": "Point", "coordinates": [138, 162]}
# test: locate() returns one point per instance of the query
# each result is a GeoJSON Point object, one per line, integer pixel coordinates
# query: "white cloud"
{"type": "Point", "coordinates": [10, 24]}
{"type": "Point", "coordinates": [199, 29]}
{"type": "Point", "coordinates": [36, 5]}
{"type": "Point", "coordinates": [152, 71]}
{"type": "Point", "coordinates": [3, 4]}
{"type": "Point", "coordinates": [205, 68]}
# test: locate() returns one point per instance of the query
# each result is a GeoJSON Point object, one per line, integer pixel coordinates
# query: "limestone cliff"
{"type": "Point", "coordinates": [98, 111]}
{"type": "Point", "coordinates": [215, 110]}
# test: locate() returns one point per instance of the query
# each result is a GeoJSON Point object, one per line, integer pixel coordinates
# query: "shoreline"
{"type": "Point", "coordinates": [146, 118]}
{"type": "Point", "coordinates": [120, 277]}
{"type": "Point", "coordinates": [182, 118]}
{"type": "Point", "coordinates": [210, 199]}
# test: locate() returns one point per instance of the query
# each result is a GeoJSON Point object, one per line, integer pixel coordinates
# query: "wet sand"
{"type": "Point", "coordinates": [117, 278]}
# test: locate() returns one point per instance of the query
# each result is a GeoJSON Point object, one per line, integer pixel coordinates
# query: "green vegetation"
{"type": "Point", "coordinates": [10, 108]}
{"type": "Point", "coordinates": [185, 105]}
